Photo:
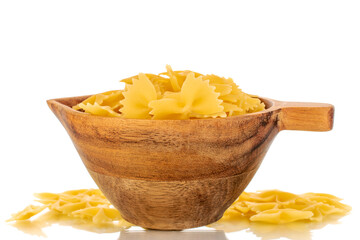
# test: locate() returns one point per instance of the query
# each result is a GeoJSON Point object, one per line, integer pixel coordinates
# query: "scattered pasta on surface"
{"type": "Point", "coordinates": [173, 95]}
{"type": "Point", "coordinates": [27, 213]}
{"type": "Point", "coordinates": [87, 205]}
{"type": "Point", "coordinates": [271, 206]}
{"type": "Point", "coordinates": [274, 206]}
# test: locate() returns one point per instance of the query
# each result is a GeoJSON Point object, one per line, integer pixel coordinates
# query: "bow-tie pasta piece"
{"type": "Point", "coordinates": [196, 98]}
{"type": "Point", "coordinates": [233, 96]}
{"type": "Point", "coordinates": [137, 98]}
{"type": "Point", "coordinates": [27, 213]}
{"type": "Point", "coordinates": [281, 216]}
{"type": "Point", "coordinates": [113, 100]}
{"type": "Point", "coordinates": [97, 109]}
{"type": "Point", "coordinates": [222, 85]}
{"type": "Point", "coordinates": [223, 89]}
{"type": "Point", "coordinates": [102, 104]}
{"type": "Point", "coordinates": [98, 215]}
{"type": "Point", "coordinates": [232, 109]}
{"type": "Point", "coordinates": [200, 96]}
{"type": "Point", "coordinates": [168, 108]}
{"type": "Point", "coordinates": [160, 83]}
{"type": "Point", "coordinates": [320, 196]}
{"type": "Point", "coordinates": [259, 207]}
{"type": "Point", "coordinates": [177, 78]}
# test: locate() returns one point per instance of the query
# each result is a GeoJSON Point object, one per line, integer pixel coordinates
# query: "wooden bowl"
{"type": "Point", "coordinates": [177, 174]}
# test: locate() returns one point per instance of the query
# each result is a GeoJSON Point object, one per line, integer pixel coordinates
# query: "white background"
{"type": "Point", "coordinates": [285, 50]}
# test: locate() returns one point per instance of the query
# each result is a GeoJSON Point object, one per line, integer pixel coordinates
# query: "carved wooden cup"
{"type": "Point", "coordinates": [177, 174]}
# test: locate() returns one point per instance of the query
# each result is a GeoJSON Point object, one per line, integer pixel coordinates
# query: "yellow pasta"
{"type": "Point", "coordinates": [271, 206]}
{"type": "Point", "coordinates": [27, 213]}
{"type": "Point", "coordinates": [88, 205]}
{"type": "Point", "coordinates": [281, 216]}
{"type": "Point", "coordinates": [110, 98]}
{"type": "Point", "coordinates": [195, 99]}
{"type": "Point", "coordinates": [97, 109]}
{"type": "Point", "coordinates": [173, 95]}
{"type": "Point", "coordinates": [102, 104]}
{"type": "Point", "coordinates": [137, 98]}
{"type": "Point", "coordinates": [274, 206]}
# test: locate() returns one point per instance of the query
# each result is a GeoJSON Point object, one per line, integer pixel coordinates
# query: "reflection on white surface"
{"type": "Point", "coordinates": [206, 234]}
{"type": "Point", "coordinates": [265, 231]}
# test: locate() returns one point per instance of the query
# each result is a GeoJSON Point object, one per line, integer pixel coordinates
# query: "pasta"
{"type": "Point", "coordinates": [137, 98]}
{"type": "Point", "coordinates": [173, 95]}
{"type": "Point", "coordinates": [88, 205]}
{"type": "Point", "coordinates": [196, 98]}
{"type": "Point", "coordinates": [271, 206]}
{"type": "Point", "coordinates": [274, 206]}
{"type": "Point", "coordinates": [103, 104]}
{"type": "Point", "coordinates": [27, 213]}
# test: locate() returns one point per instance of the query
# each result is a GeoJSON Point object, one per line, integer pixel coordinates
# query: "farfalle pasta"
{"type": "Point", "coordinates": [137, 97]}
{"type": "Point", "coordinates": [271, 206]}
{"type": "Point", "coordinates": [196, 98]}
{"type": "Point", "coordinates": [103, 104]}
{"type": "Point", "coordinates": [87, 205]}
{"type": "Point", "coordinates": [274, 206]}
{"type": "Point", "coordinates": [173, 95]}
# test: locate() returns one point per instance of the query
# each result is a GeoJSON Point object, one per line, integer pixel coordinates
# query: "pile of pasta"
{"type": "Point", "coordinates": [173, 95]}
{"type": "Point", "coordinates": [271, 206]}
{"type": "Point", "coordinates": [274, 206]}
{"type": "Point", "coordinates": [86, 205]}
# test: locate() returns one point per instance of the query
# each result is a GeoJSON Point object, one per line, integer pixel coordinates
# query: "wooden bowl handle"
{"type": "Point", "coordinates": [305, 116]}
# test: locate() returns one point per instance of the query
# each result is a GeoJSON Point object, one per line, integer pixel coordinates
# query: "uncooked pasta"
{"type": "Point", "coordinates": [87, 205]}
{"type": "Point", "coordinates": [274, 206]}
{"type": "Point", "coordinates": [270, 206]}
{"type": "Point", "coordinates": [173, 95]}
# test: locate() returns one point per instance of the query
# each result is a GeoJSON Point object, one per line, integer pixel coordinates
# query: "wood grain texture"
{"type": "Point", "coordinates": [306, 116]}
{"type": "Point", "coordinates": [177, 174]}
{"type": "Point", "coordinates": [172, 205]}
